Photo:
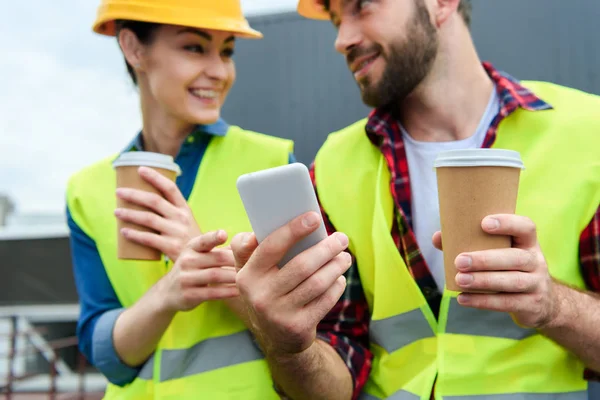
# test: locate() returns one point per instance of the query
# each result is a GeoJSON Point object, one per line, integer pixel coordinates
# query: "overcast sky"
{"type": "Point", "coordinates": [66, 99]}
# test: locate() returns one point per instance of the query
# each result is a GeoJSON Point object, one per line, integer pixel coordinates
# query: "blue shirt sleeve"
{"type": "Point", "coordinates": [100, 308]}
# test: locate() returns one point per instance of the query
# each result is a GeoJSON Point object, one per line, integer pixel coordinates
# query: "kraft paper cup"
{"type": "Point", "coordinates": [473, 184]}
{"type": "Point", "coordinates": [126, 167]}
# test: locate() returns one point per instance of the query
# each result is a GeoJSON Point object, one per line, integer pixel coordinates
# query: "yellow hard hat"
{"type": "Point", "coordinates": [312, 9]}
{"type": "Point", "coordinates": [221, 15]}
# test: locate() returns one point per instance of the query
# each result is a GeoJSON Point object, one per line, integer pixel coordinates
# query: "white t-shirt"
{"type": "Point", "coordinates": [424, 195]}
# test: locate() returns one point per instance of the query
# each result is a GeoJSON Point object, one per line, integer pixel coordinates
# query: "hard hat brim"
{"type": "Point", "coordinates": [105, 25]}
{"type": "Point", "coordinates": [310, 9]}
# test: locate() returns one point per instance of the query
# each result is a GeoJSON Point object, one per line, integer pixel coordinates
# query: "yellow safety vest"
{"type": "Point", "coordinates": [206, 353]}
{"type": "Point", "coordinates": [474, 354]}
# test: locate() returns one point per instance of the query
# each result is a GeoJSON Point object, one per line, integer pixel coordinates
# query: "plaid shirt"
{"type": "Point", "coordinates": [346, 326]}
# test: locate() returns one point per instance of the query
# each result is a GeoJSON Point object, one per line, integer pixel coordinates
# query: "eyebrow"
{"type": "Point", "coordinates": [203, 34]}
{"type": "Point", "coordinates": [327, 7]}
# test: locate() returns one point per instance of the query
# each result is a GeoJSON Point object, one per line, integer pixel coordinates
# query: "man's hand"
{"type": "Point", "coordinates": [519, 275]}
{"type": "Point", "coordinates": [285, 305]}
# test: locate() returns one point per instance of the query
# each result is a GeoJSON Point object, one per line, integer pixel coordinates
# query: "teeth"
{"type": "Point", "coordinates": [366, 62]}
{"type": "Point", "coordinates": [205, 94]}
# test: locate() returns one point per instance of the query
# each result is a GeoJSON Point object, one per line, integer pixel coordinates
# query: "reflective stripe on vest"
{"type": "Point", "coordinates": [396, 332]}
{"type": "Point", "coordinates": [147, 371]}
{"type": "Point", "coordinates": [581, 395]}
{"type": "Point", "coordinates": [488, 323]}
{"type": "Point", "coordinates": [399, 395]}
{"type": "Point", "coordinates": [209, 355]}
{"type": "Point", "coordinates": [404, 395]}
{"type": "Point", "coordinates": [594, 390]}
{"type": "Point", "coordinates": [205, 356]}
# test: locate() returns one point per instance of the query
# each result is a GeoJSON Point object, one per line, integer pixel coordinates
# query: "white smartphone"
{"type": "Point", "coordinates": [275, 196]}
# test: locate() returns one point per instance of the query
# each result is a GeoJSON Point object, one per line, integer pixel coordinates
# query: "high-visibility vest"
{"type": "Point", "coordinates": [206, 353]}
{"type": "Point", "coordinates": [470, 354]}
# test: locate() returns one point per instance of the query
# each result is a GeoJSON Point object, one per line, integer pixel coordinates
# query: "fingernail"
{"type": "Point", "coordinates": [464, 279]}
{"type": "Point", "coordinates": [464, 299]}
{"type": "Point", "coordinates": [463, 262]}
{"type": "Point", "coordinates": [343, 239]}
{"type": "Point", "coordinates": [246, 240]}
{"type": "Point", "coordinates": [118, 212]}
{"type": "Point", "coordinates": [125, 231]}
{"type": "Point", "coordinates": [310, 220]}
{"type": "Point", "coordinates": [349, 259]}
{"type": "Point", "coordinates": [491, 223]}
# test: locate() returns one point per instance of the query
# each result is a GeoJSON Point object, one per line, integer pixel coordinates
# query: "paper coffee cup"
{"type": "Point", "coordinates": [126, 167]}
{"type": "Point", "coordinates": [473, 184]}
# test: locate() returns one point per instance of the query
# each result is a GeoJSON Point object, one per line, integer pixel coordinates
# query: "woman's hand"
{"type": "Point", "coordinates": [201, 273]}
{"type": "Point", "coordinates": [170, 216]}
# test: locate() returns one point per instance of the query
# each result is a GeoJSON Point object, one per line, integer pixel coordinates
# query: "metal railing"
{"type": "Point", "coordinates": [56, 365]}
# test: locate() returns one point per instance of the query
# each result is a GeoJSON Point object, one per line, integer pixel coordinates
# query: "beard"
{"type": "Point", "coordinates": [407, 63]}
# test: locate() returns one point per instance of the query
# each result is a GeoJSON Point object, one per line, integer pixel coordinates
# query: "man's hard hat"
{"type": "Point", "coordinates": [312, 9]}
{"type": "Point", "coordinates": [221, 15]}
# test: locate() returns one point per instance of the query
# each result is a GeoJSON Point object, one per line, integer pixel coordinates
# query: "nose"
{"type": "Point", "coordinates": [348, 37]}
{"type": "Point", "coordinates": [216, 68]}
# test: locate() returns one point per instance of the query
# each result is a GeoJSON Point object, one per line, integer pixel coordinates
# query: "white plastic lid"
{"type": "Point", "coordinates": [479, 158]}
{"type": "Point", "coordinates": [147, 159]}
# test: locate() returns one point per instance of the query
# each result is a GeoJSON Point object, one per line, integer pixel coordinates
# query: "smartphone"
{"type": "Point", "coordinates": [275, 196]}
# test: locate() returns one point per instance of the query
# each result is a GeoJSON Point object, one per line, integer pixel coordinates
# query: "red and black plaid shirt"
{"type": "Point", "coordinates": [346, 326]}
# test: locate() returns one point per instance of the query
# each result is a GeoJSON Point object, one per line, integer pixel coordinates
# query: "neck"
{"type": "Point", "coordinates": [450, 102]}
{"type": "Point", "coordinates": [162, 133]}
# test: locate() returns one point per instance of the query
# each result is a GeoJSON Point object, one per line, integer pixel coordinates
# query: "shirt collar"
{"type": "Point", "coordinates": [511, 93]}
{"type": "Point", "coordinates": [219, 128]}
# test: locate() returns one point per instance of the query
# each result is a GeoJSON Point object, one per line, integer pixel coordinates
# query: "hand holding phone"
{"type": "Point", "coordinates": [283, 306]}
{"type": "Point", "coordinates": [275, 196]}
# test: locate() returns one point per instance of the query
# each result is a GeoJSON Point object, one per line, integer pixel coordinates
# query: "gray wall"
{"type": "Point", "coordinates": [293, 84]}
{"type": "Point", "coordinates": [552, 40]}
{"type": "Point", "coordinates": [36, 271]}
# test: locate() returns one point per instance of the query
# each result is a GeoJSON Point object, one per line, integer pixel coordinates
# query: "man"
{"type": "Point", "coordinates": [416, 65]}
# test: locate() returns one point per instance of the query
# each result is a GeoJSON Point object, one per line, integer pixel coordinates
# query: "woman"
{"type": "Point", "coordinates": [160, 329]}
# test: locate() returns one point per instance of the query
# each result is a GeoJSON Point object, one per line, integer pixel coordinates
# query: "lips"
{"type": "Point", "coordinates": [206, 94]}
{"type": "Point", "coordinates": [361, 66]}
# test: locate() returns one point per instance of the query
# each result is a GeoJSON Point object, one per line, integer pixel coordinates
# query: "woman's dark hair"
{"type": "Point", "coordinates": [144, 32]}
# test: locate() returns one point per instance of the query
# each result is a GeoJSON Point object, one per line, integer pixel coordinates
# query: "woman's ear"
{"type": "Point", "coordinates": [132, 49]}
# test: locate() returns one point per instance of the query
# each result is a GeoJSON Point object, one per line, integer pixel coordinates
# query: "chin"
{"type": "Point", "coordinates": [205, 117]}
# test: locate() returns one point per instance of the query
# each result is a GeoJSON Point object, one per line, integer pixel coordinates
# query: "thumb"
{"type": "Point", "coordinates": [437, 240]}
{"type": "Point", "coordinates": [243, 245]}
